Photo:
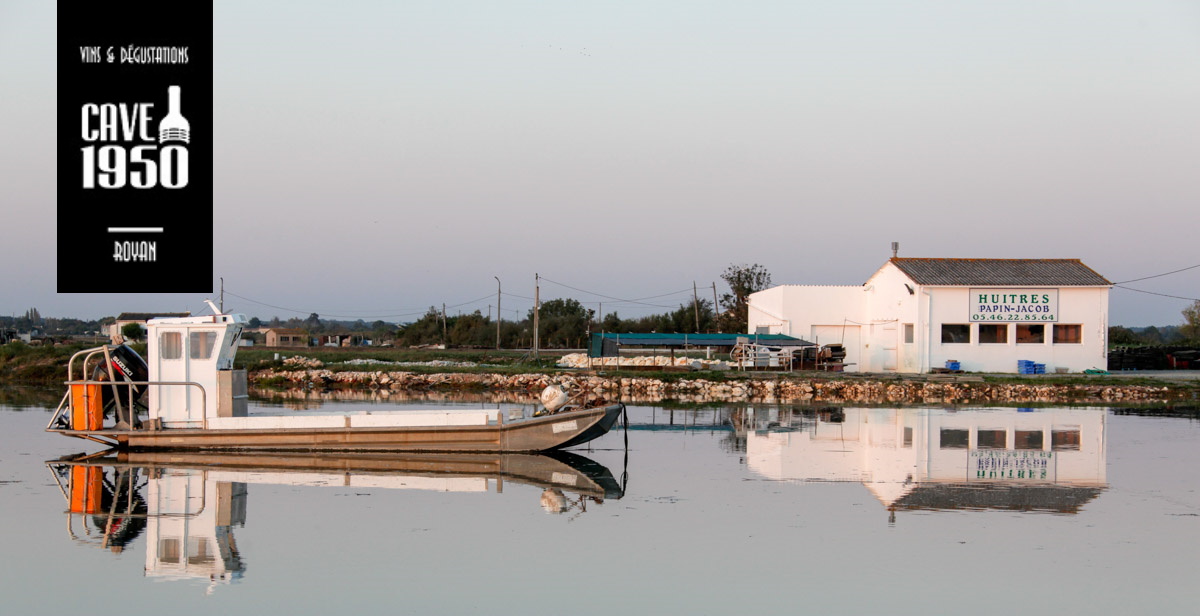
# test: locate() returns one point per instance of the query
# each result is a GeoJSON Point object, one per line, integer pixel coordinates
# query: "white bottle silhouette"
{"type": "Point", "coordinates": [174, 127]}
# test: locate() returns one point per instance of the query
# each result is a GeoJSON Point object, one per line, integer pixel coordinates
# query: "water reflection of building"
{"type": "Point", "coordinates": [918, 458]}
{"type": "Point", "coordinates": [188, 504]}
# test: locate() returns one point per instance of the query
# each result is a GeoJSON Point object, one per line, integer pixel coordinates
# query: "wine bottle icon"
{"type": "Point", "coordinates": [174, 127]}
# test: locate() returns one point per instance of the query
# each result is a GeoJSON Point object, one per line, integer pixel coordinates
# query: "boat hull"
{"type": "Point", "coordinates": [531, 435]}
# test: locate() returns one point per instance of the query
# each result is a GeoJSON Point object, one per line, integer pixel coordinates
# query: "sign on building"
{"type": "Point", "coordinates": [1026, 305]}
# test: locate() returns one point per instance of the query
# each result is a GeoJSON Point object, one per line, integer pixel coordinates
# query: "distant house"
{"type": "Point", "coordinates": [278, 337]}
{"type": "Point", "coordinates": [343, 340]}
{"type": "Point", "coordinates": [113, 331]}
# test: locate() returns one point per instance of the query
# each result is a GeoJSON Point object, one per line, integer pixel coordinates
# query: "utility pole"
{"type": "Point", "coordinates": [444, 345]}
{"type": "Point", "coordinates": [498, 313]}
{"type": "Point", "coordinates": [222, 295]}
{"type": "Point", "coordinates": [696, 305]}
{"type": "Point", "coordinates": [716, 311]}
{"type": "Point", "coordinates": [537, 289]}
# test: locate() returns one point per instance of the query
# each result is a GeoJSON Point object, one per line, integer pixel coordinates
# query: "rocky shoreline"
{"type": "Point", "coordinates": [755, 389]}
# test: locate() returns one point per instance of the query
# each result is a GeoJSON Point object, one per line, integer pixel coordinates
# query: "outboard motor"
{"type": "Point", "coordinates": [127, 365]}
{"type": "Point", "coordinates": [553, 398]}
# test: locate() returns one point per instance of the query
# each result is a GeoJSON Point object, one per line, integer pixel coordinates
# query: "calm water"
{"type": "Point", "coordinates": [723, 511]}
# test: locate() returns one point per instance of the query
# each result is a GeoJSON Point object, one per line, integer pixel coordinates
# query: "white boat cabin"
{"type": "Point", "coordinates": [195, 354]}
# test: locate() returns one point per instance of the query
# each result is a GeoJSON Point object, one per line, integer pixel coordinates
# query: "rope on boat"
{"type": "Point", "coordinates": [625, 466]}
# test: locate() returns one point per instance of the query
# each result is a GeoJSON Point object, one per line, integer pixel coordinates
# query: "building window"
{"type": "Point", "coordinates": [956, 333]}
{"type": "Point", "coordinates": [1031, 334]}
{"type": "Point", "coordinates": [1064, 439]}
{"type": "Point", "coordinates": [991, 439]}
{"type": "Point", "coordinates": [1028, 439]}
{"type": "Point", "coordinates": [1068, 334]}
{"type": "Point", "coordinates": [954, 439]}
{"type": "Point", "coordinates": [993, 334]}
{"type": "Point", "coordinates": [909, 333]}
{"type": "Point", "coordinates": [202, 344]}
{"type": "Point", "coordinates": [170, 345]}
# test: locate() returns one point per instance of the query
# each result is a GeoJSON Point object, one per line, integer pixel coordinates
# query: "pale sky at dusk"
{"type": "Point", "coordinates": [375, 158]}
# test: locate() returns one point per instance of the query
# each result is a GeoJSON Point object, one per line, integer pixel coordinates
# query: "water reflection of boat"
{"type": "Point", "coordinates": [188, 503]}
{"type": "Point", "coordinates": [193, 399]}
{"type": "Point", "coordinates": [1047, 460]}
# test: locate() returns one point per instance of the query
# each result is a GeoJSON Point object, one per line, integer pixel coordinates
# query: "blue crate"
{"type": "Point", "coordinates": [953, 365]}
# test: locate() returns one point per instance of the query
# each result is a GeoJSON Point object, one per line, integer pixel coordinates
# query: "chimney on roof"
{"type": "Point", "coordinates": [895, 249]}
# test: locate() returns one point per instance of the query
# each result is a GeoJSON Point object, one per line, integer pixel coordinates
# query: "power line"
{"type": "Point", "coordinates": [488, 296]}
{"type": "Point", "coordinates": [1156, 276]}
{"type": "Point", "coordinates": [1159, 294]}
{"type": "Point", "coordinates": [621, 299]}
{"type": "Point", "coordinates": [341, 316]}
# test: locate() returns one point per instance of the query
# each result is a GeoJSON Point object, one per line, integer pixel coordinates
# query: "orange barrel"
{"type": "Point", "coordinates": [85, 489]}
{"type": "Point", "coordinates": [87, 407]}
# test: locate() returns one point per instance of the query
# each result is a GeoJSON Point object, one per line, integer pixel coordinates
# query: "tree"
{"type": "Point", "coordinates": [255, 322]}
{"type": "Point", "coordinates": [742, 280]}
{"type": "Point", "coordinates": [132, 331]}
{"type": "Point", "coordinates": [562, 323]}
{"type": "Point", "coordinates": [1122, 335]}
{"type": "Point", "coordinates": [1191, 322]}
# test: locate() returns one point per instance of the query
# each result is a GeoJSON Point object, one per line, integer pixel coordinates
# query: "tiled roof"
{"type": "Point", "coordinates": [980, 495]}
{"type": "Point", "coordinates": [1001, 272]}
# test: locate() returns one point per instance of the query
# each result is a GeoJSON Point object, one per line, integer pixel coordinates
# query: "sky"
{"type": "Point", "coordinates": [372, 159]}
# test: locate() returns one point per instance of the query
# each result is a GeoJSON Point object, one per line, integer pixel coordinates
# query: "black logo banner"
{"type": "Point", "coordinates": [135, 145]}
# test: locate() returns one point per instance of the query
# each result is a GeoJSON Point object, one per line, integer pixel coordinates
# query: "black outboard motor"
{"type": "Point", "coordinates": [127, 365]}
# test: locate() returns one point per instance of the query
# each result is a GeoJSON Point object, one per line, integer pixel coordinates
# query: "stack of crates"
{"type": "Point", "coordinates": [1025, 366]}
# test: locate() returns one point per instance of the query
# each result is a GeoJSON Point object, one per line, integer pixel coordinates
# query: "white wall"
{"type": "Point", "coordinates": [891, 305]}
{"type": "Point", "coordinates": [1086, 306]}
{"type": "Point", "coordinates": [815, 313]}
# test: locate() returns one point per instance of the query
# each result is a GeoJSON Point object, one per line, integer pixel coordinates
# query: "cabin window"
{"type": "Point", "coordinates": [200, 552]}
{"type": "Point", "coordinates": [1068, 334]}
{"type": "Point", "coordinates": [953, 333]}
{"type": "Point", "coordinates": [1031, 334]}
{"type": "Point", "coordinates": [990, 333]}
{"type": "Point", "coordinates": [202, 344]}
{"type": "Point", "coordinates": [168, 549]}
{"type": "Point", "coordinates": [170, 345]}
{"type": "Point", "coordinates": [909, 333]}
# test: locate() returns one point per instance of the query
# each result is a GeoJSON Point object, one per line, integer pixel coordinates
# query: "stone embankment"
{"type": "Point", "coordinates": [767, 390]}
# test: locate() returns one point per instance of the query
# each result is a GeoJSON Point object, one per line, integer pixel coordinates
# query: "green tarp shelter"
{"type": "Point", "coordinates": [608, 345]}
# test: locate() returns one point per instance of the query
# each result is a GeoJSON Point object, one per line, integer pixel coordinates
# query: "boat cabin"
{"type": "Point", "coordinates": [191, 351]}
